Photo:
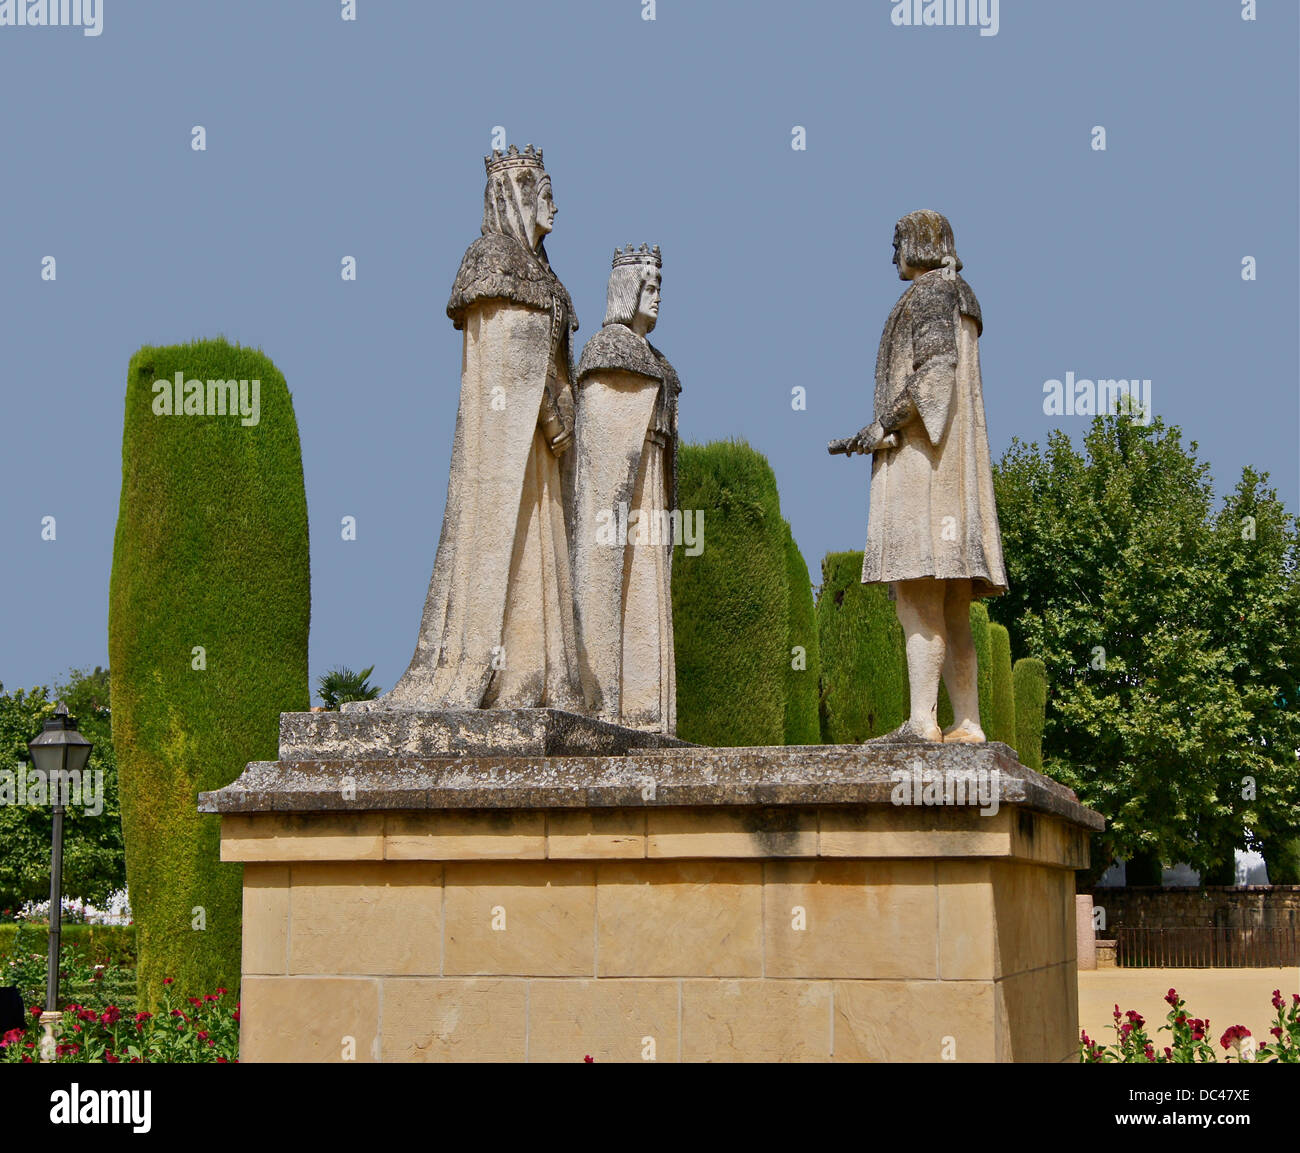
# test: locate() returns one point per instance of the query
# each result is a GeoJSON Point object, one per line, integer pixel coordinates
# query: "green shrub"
{"type": "Point", "coordinates": [1029, 687]}
{"type": "Point", "coordinates": [1001, 722]}
{"type": "Point", "coordinates": [1283, 861]}
{"type": "Point", "coordinates": [94, 944]}
{"type": "Point", "coordinates": [210, 566]}
{"type": "Point", "coordinates": [802, 726]}
{"type": "Point", "coordinates": [864, 668]}
{"type": "Point", "coordinates": [730, 603]}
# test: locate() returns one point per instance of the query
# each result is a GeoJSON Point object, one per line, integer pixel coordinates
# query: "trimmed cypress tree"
{"type": "Point", "coordinates": [864, 690]}
{"type": "Point", "coordinates": [731, 602]}
{"type": "Point", "coordinates": [802, 726]}
{"type": "Point", "coordinates": [1001, 723]}
{"type": "Point", "coordinates": [1029, 686]}
{"type": "Point", "coordinates": [209, 606]}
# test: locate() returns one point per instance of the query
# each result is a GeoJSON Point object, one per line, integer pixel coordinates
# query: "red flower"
{"type": "Point", "coordinates": [202, 1035]}
{"type": "Point", "coordinates": [589, 1059]}
{"type": "Point", "coordinates": [194, 1001]}
{"type": "Point", "coordinates": [221, 992]}
{"type": "Point", "coordinates": [11, 1038]}
{"type": "Point", "coordinates": [1136, 1017]}
{"type": "Point", "coordinates": [1234, 1035]}
{"type": "Point", "coordinates": [76, 1027]}
{"type": "Point", "coordinates": [235, 1014]}
{"type": "Point", "coordinates": [1149, 1052]}
{"type": "Point", "coordinates": [141, 1018]}
{"type": "Point", "coordinates": [1277, 999]}
{"type": "Point", "coordinates": [1276, 1031]}
{"type": "Point", "coordinates": [64, 1050]}
{"type": "Point", "coordinates": [208, 997]}
{"type": "Point", "coordinates": [1168, 1053]}
{"type": "Point", "coordinates": [169, 980]}
{"type": "Point", "coordinates": [36, 1010]}
{"type": "Point", "coordinates": [1117, 1013]}
{"type": "Point", "coordinates": [222, 1061]}
{"type": "Point", "coordinates": [1172, 997]}
{"type": "Point", "coordinates": [111, 1015]}
{"type": "Point", "coordinates": [112, 1060]}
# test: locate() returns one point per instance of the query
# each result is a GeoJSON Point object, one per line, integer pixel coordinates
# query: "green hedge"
{"type": "Point", "coordinates": [802, 726]}
{"type": "Point", "coordinates": [93, 943]}
{"type": "Point", "coordinates": [1000, 721]}
{"type": "Point", "coordinates": [211, 550]}
{"type": "Point", "coordinates": [1029, 685]}
{"type": "Point", "coordinates": [864, 691]}
{"type": "Point", "coordinates": [731, 602]}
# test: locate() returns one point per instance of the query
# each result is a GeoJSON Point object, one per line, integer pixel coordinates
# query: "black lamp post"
{"type": "Point", "coordinates": [57, 752]}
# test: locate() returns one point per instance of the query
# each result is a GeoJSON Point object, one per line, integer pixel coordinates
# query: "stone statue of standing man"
{"type": "Point", "coordinates": [932, 532]}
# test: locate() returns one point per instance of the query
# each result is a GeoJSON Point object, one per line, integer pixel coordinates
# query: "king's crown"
{"type": "Point", "coordinates": [512, 158]}
{"type": "Point", "coordinates": [642, 255]}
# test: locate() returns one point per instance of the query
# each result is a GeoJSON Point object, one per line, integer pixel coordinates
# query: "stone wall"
{"type": "Point", "coordinates": [1257, 907]}
{"type": "Point", "coordinates": [860, 934]}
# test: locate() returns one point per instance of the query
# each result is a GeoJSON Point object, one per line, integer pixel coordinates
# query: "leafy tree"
{"type": "Point", "coordinates": [340, 685]}
{"type": "Point", "coordinates": [93, 858]}
{"type": "Point", "coordinates": [1171, 637]}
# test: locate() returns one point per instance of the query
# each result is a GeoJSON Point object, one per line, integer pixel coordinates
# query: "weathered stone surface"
{"type": "Point", "coordinates": [525, 919]}
{"type": "Point", "coordinates": [606, 1020]}
{"type": "Point", "coordinates": [756, 1020]}
{"type": "Point", "coordinates": [411, 733]}
{"type": "Point", "coordinates": [365, 918]}
{"type": "Point", "coordinates": [455, 1019]}
{"type": "Point", "coordinates": [805, 776]}
{"type": "Point", "coordinates": [671, 918]}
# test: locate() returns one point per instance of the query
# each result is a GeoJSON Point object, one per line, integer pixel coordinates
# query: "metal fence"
{"type": "Point", "coordinates": [1207, 948]}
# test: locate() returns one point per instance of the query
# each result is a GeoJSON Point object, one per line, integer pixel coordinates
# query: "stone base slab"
{"type": "Point", "coordinates": [672, 904]}
{"type": "Point", "coordinates": [375, 735]}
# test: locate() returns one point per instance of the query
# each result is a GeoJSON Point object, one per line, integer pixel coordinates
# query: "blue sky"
{"type": "Point", "coordinates": [329, 138]}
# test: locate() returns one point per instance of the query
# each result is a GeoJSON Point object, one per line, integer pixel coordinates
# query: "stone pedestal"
{"type": "Point", "coordinates": [1085, 934]}
{"type": "Point", "coordinates": [658, 903]}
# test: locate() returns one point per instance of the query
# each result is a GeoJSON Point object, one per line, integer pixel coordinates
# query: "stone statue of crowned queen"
{"type": "Point", "coordinates": [520, 526]}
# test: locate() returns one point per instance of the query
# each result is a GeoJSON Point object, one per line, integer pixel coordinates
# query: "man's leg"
{"type": "Point", "coordinates": [920, 611]}
{"type": "Point", "coordinates": [960, 666]}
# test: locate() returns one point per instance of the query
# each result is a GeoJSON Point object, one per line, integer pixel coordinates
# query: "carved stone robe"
{"type": "Point", "coordinates": [625, 472]}
{"type": "Point", "coordinates": [932, 510]}
{"type": "Point", "coordinates": [497, 629]}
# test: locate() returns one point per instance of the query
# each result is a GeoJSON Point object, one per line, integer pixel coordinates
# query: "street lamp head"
{"type": "Point", "coordinates": [60, 748]}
